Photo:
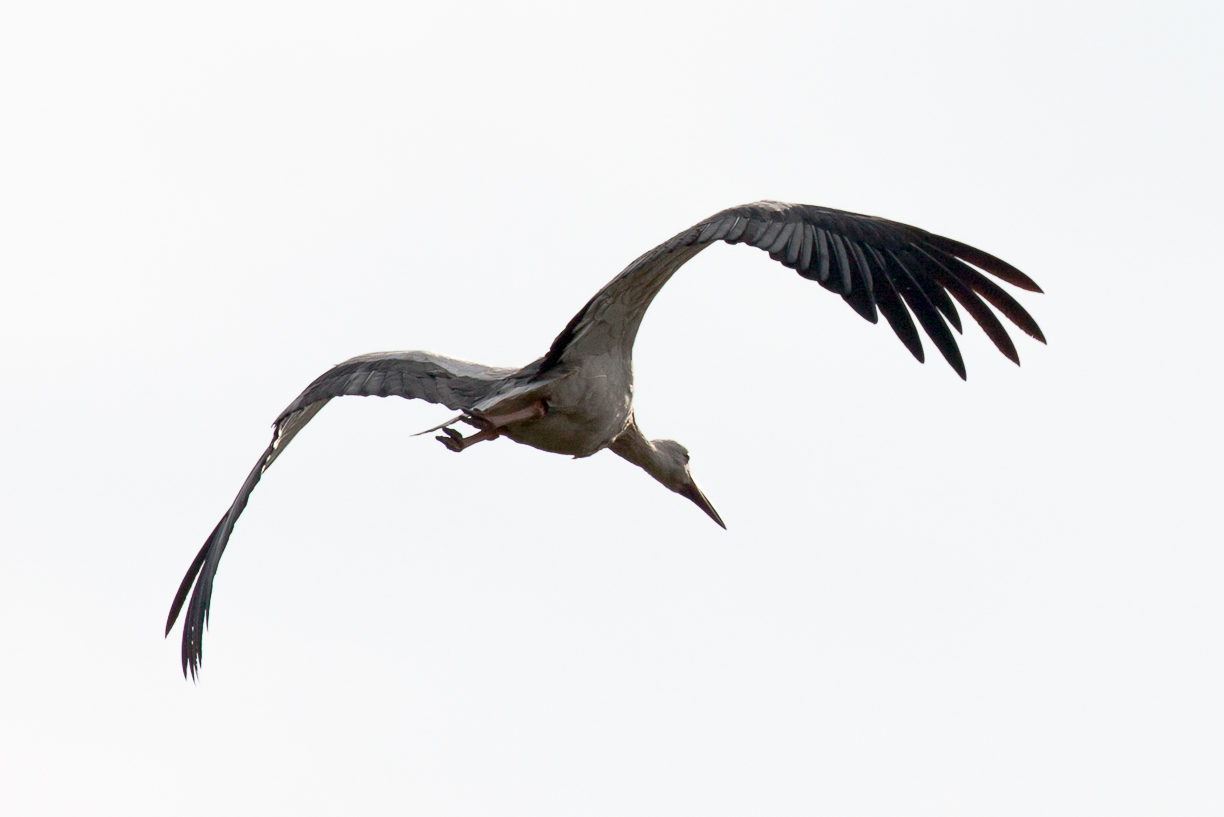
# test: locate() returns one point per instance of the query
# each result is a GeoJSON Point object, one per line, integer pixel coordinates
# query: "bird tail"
{"type": "Point", "coordinates": [449, 422]}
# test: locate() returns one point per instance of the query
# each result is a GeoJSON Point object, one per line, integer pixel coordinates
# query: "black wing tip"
{"type": "Point", "coordinates": [192, 654]}
{"type": "Point", "coordinates": [189, 579]}
{"type": "Point", "coordinates": [832, 253]}
{"type": "Point", "coordinates": [194, 626]}
{"type": "Point", "coordinates": [983, 260]}
{"type": "Point", "coordinates": [955, 359]}
{"type": "Point", "coordinates": [191, 670]}
{"type": "Point", "coordinates": [1019, 279]}
{"type": "Point", "coordinates": [197, 611]}
{"type": "Point", "coordinates": [173, 617]}
{"type": "Point", "coordinates": [998, 297]}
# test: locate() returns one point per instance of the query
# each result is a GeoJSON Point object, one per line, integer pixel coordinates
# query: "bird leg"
{"type": "Point", "coordinates": [490, 425]}
{"type": "Point", "coordinates": [483, 420]}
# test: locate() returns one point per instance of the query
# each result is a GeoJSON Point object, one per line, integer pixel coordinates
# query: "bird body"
{"type": "Point", "coordinates": [589, 406]}
{"type": "Point", "coordinates": [578, 398]}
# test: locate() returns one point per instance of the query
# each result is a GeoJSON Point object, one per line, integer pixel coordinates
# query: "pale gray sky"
{"type": "Point", "coordinates": [935, 597]}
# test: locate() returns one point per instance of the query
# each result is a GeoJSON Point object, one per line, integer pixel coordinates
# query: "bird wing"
{"type": "Point", "coordinates": [455, 384]}
{"type": "Point", "coordinates": [876, 265]}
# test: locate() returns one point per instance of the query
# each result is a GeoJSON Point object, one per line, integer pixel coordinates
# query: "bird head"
{"type": "Point", "coordinates": [673, 471]}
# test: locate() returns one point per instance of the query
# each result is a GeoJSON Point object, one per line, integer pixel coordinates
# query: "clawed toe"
{"type": "Point", "coordinates": [453, 440]}
{"type": "Point", "coordinates": [457, 442]}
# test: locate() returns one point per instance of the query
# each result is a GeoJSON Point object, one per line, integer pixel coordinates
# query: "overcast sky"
{"type": "Point", "coordinates": [994, 597]}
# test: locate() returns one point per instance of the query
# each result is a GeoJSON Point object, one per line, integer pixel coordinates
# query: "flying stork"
{"type": "Point", "coordinates": [578, 398]}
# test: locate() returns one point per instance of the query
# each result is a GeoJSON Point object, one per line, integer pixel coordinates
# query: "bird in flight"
{"type": "Point", "coordinates": [578, 398]}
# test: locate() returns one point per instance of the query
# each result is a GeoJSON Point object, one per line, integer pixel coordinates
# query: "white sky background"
{"type": "Point", "coordinates": [993, 597]}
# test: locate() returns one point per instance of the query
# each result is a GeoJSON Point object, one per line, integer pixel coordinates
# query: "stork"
{"type": "Point", "coordinates": [578, 398]}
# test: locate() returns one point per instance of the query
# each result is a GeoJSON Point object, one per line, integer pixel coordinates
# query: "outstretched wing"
{"type": "Point", "coordinates": [873, 263]}
{"type": "Point", "coordinates": [455, 384]}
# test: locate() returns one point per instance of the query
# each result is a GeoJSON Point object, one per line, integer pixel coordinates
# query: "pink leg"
{"type": "Point", "coordinates": [482, 420]}
{"type": "Point", "coordinates": [489, 425]}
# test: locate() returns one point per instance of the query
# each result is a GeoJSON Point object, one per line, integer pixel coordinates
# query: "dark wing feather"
{"type": "Point", "coordinates": [984, 260]}
{"type": "Point", "coordinates": [861, 297]}
{"type": "Point", "coordinates": [924, 264]}
{"type": "Point", "coordinates": [936, 294]}
{"type": "Point", "coordinates": [897, 316]}
{"type": "Point", "coordinates": [455, 384]}
{"type": "Point", "coordinates": [930, 318]}
{"type": "Point", "coordinates": [998, 298]}
{"type": "Point", "coordinates": [871, 262]}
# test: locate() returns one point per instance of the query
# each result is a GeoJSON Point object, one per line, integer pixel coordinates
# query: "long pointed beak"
{"type": "Point", "coordinates": [699, 499]}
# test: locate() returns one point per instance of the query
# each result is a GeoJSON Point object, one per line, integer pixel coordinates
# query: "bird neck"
{"type": "Point", "coordinates": [633, 446]}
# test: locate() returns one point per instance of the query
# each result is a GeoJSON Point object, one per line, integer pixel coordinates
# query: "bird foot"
{"type": "Point", "coordinates": [457, 442]}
